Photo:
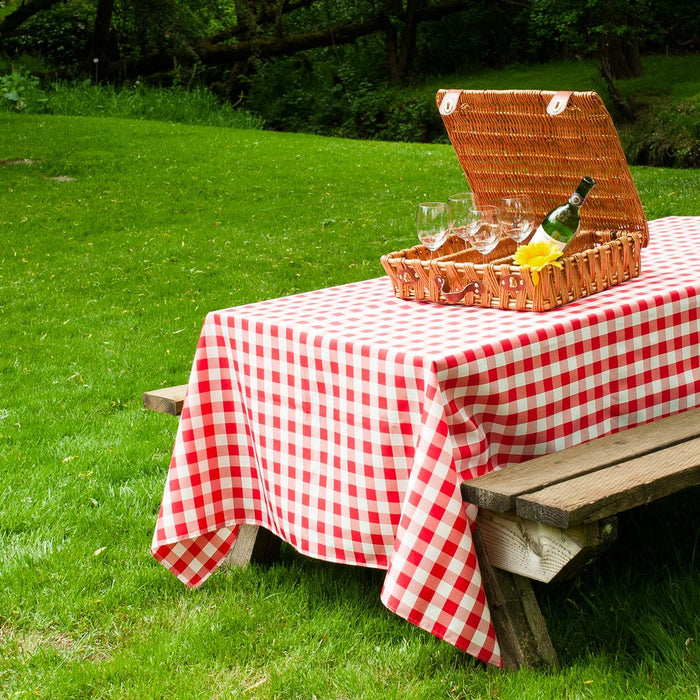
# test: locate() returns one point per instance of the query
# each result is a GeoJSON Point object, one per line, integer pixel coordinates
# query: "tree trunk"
{"type": "Point", "coordinates": [621, 60]}
{"type": "Point", "coordinates": [408, 39]}
{"type": "Point", "coordinates": [228, 89]}
{"type": "Point", "coordinates": [102, 47]}
{"type": "Point", "coordinates": [620, 108]}
{"type": "Point", "coordinates": [392, 8]}
{"type": "Point", "coordinates": [634, 57]}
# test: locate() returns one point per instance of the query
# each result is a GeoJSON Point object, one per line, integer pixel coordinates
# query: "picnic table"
{"type": "Point", "coordinates": [344, 421]}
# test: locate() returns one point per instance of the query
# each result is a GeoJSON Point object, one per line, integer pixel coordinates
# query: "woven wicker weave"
{"type": "Point", "coordinates": [508, 142]}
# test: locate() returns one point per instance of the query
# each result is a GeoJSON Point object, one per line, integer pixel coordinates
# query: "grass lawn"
{"type": "Point", "coordinates": [117, 236]}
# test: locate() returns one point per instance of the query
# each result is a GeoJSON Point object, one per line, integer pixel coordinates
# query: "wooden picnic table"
{"type": "Point", "coordinates": [345, 422]}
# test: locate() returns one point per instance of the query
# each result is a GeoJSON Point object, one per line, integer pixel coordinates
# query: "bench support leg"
{"type": "Point", "coordinates": [517, 619]}
{"type": "Point", "coordinates": [253, 544]}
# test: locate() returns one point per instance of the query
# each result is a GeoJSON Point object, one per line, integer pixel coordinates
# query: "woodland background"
{"type": "Point", "coordinates": [357, 68]}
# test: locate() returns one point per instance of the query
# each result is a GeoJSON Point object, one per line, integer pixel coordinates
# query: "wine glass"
{"type": "Point", "coordinates": [462, 214]}
{"type": "Point", "coordinates": [432, 225]}
{"type": "Point", "coordinates": [485, 233]}
{"type": "Point", "coordinates": [517, 217]}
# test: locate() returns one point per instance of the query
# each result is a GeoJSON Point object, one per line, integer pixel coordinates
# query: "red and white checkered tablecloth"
{"type": "Point", "coordinates": [344, 419]}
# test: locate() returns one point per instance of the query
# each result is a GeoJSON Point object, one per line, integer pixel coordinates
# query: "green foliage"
{"type": "Point", "coordinates": [676, 27]}
{"type": "Point", "coordinates": [572, 28]}
{"type": "Point", "coordinates": [290, 96]}
{"type": "Point", "coordinates": [24, 63]}
{"type": "Point", "coordinates": [338, 100]}
{"type": "Point", "coordinates": [555, 25]}
{"type": "Point", "coordinates": [149, 26]}
{"type": "Point", "coordinates": [344, 91]}
{"type": "Point", "coordinates": [392, 114]}
{"type": "Point", "coordinates": [663, 134]}
{"type": "Point", "coordinates": [666, 102]}
{"type": "Point", "coordinates": [59, 35]}
{"type": "Point", "coordinates": [569, 28]}
{"type": "Point", "coordinates": [118, 237]}
{"type": "Point", "coordinates": [484, 35]}
{"type": "Point", "coordinates": [340, 92]}
{"type": "Point", "coordinates": [20, 92]}
{"type": "Point", "coordinates": [299, 95]}
{"type": "Point", "coordinates": [194, 106]}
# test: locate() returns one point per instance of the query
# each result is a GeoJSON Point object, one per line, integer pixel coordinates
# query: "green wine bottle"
{"type": "Point", "coordinates": [561, 224]}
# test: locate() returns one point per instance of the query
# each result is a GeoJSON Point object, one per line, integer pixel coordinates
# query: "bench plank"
{"type": "Point", "coordinates": [498, 490]}
{"type": "Point", "coordinates": [167, 400]}
{"type": "Point", "coordinates": [615, 489]}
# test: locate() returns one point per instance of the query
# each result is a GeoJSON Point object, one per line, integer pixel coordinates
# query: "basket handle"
{"type": "Point", "coordinates": [454, 297]}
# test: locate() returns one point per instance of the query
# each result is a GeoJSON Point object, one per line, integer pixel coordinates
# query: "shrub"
{"type": "Point", "coordinates": [664, 133]}
{"type": "Point", "coordinates": [58, 35]}
{"type": "Point", "coordinates": [21, 93]}
{"type": "Point", "coordinates": [137, 101]}
{"type": "Point", "coordinates": [321, 98]}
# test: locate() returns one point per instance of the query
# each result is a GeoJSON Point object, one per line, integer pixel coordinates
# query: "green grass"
{"type": "Point", "coordinates": [569, 75]}
{"type": "Point", "coordinates": [117, 237]}
{"type": "Point", "coordinates": [677, 76]}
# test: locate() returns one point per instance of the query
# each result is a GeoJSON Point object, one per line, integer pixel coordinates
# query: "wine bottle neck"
{"type": "Point", "coordinates": [576, 200]}
{"type": "Point", "coordinates": [579, 195]}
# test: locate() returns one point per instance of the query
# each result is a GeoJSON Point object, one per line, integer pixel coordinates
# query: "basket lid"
{"type": "Point", "coordinates": [542, 143]}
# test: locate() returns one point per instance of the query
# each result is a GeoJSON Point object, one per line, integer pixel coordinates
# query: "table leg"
{"type": "Point", "coordinates": [253, 544]}
{"type": "Point", "coordinates": [520, 627]}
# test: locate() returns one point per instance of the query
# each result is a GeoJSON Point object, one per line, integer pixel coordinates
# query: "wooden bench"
{"type": "Point", "coordinates": [541, 520]}
{"type": "Point", "coordinates": [544, 519]}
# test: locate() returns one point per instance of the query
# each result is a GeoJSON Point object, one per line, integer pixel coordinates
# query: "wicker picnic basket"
{"type": "Point", "coordinates": [540, 143]}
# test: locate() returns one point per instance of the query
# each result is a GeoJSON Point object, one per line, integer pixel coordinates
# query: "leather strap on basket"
{"type": "Point", "coordinates": [449, 102]}
{"type": "Point", "coordinates": [408, 276]}
{"type": "Point", "coordinates": [558, 103]}
{"type": "Point", "coordinates": [453, 297]}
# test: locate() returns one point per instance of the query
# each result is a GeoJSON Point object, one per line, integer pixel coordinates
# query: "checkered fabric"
{"type": "Point", "coordinates": [344, 420]}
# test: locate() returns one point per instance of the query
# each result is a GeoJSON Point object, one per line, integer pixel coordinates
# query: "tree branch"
{"type": "Point", "coordinates": [25, 11]}
{"type": "Point", "coordinates": [227, 54]}
{"type": "Point", "coordinates": [217, 54]}
{"type": "Point", "coordinates": [243, 28]}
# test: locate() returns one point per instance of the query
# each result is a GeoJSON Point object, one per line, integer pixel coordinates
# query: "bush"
{"type": "Point", "coordinates": [21, 93]}
{"type": "Point", "coordinates": [339, 100]}
{"type": "Point", "coordinates": [663, 134]}
{"type": "Point", "coordinates": [393, 114]}
{"type": "Point", "coordinates": [59, 35]}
